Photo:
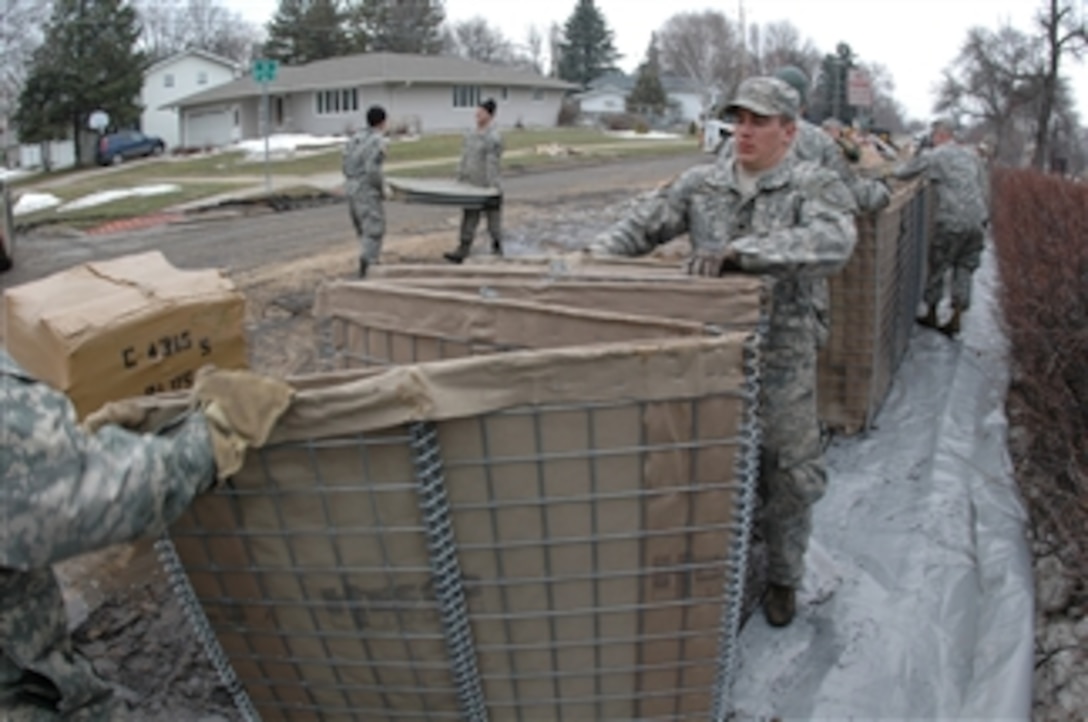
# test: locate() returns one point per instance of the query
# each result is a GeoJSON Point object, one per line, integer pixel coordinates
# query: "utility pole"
{"type": "Point", "coordinates": [743, 40]}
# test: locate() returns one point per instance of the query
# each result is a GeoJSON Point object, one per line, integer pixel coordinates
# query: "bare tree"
{"type": "Point", "coordinates": [994, 82]}
{"type": "Point", "coordinates": [21, 22]}
{"type": "Point", "coordinates": [780, 43]}
{"type": "Point", "coordinates": [171, 26]}
{"type": "Point", "coordinates": [886, 112]}
{"type": "Point", "coordinates": [703, 46]}
{"type": "Point", "coordinates": [1063, 34]}
{"type": "Point", "coordinates": [479, 40]}
{"type": "Point", "coordinates": [534, 49]}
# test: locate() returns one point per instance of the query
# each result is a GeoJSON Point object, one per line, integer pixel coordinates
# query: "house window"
{"type": "Point", "coordinates": [466, 96]}
{"type": "Point", "coordinates": [168, 80]}
{"type": "Point", "coordinates": [538, 94]}
{"type": "Point", "coordinates": [201, 78]}
{"type": "Point", "coordinates": [334, 102]}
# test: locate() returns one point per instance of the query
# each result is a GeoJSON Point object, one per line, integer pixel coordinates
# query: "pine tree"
{"type": "Point", "coordinates": [89, 61]}
{"type": "Point", "coordinates": [648, 96]}
{"type": "Point", "coordinates": [303, 31]}
{"type": "Point", "coordinates": [587, 50]}
{"type": "Point", "coordinates": [399, 26]}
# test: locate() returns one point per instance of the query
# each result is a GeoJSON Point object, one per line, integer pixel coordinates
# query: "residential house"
{"type": "Point", "coordinates": [608, 94]}
{"type": "Point", "coordinates": [427, 93]}
{"type": "Point", "coordinates": [169, 80]}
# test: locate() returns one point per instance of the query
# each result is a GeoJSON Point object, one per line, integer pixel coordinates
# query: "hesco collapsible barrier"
{"type": "Point", "coordinates": [874, 301]}
{"type": "Point", "coordinates": [528, 511]}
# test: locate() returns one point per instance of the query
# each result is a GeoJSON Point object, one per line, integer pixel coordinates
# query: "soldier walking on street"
{"type": "Point", "coordinates": [481, 156]}
{"type": "Point", "coordinates": [765, 211]}
{"type": "Point", "coordinates": [364, 186]}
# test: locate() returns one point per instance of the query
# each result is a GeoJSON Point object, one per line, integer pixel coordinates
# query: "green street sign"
{"type": "Point", "coordinates": [264, 70]}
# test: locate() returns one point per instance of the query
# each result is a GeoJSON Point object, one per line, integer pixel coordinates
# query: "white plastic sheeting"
{"type": "Point", "coordinates": [918, 597]}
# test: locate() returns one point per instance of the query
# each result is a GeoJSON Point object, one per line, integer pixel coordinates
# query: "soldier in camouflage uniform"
{"type": "Point", "coordinates": [481, 157]}
{"type": "Point", "coordinates": [365, 186]}
{"type": "Point", "coordinates": [765, 212]}
{"type": "Point", "coordinates": [68, 490]}
{"type": "Point", "coordinates": [813, 144]}
{"type": "Point", "coordinates": [962, 214]}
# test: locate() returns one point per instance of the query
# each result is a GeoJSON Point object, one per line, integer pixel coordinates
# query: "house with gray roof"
{"type": "Point", "coordinates": [428, 93]}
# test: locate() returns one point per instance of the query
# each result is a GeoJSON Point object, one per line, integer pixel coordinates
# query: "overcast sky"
{"type": "Point", "coordinates": [914, 39]}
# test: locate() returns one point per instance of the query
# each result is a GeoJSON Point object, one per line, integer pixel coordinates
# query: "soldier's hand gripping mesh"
{"type": "Point", "coordinates": [241, 409]}
{"type": "Point", "coordinates": [712, 263]}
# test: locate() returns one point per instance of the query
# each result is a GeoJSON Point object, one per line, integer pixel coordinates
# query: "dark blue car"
{"type": "Point", "coordinates": [125, 144]}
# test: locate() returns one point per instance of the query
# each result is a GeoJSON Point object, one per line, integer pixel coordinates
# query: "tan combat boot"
{"type": "Point", "coordinates": [779, 605]}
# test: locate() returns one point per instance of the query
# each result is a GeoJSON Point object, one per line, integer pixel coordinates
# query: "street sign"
{"type": "Point", "coordinates": [859, 89]}
{"type": "Point", "coordinates": [264, 70]}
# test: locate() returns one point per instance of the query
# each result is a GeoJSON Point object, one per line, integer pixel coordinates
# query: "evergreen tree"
{"type": "Point", "coordinates": [89, 61]}
{"type": "Point", "coordinates": [648, 96]}
{"type": "Point", "coordinates": [587, 50]}
{"type": "Point", "coordinates": [399, 26]}
{"type": "Point", "coordinates": [303, 31]}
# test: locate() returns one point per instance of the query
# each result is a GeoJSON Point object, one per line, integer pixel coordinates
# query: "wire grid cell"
{"type": "Point", "coordinates": [595, 545]}
{"type": "Point", "coordinates": [327, 601]}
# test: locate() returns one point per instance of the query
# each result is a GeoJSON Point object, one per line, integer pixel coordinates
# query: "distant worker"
{"type": "Point", "coordinates": [833, 128]}
{"type": "Point", "coordinates": [765, 212]}
{"type": "Point", "coordinates": [481, 159]}
{"type": "Point", "coordinates": [69, 490]}
{"type": "Point", "coordinates": [960, 179]}
{"type": "Point", "coordinates": [364, 186]}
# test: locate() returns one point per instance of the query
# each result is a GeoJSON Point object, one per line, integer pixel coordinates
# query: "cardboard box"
{"type": "Point", "coordinates": [134, 325]}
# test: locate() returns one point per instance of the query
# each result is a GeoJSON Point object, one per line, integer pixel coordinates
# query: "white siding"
{"type": "Point", "coordinates": [611, 102]}
{"type": "Point", "coordinates": [183, 75]}
{"type": "Point", "coordinates": [690, 105]}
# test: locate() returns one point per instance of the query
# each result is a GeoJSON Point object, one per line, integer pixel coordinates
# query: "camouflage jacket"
{"type": "Point", "coordinates": [960, 179]}
{"type": "Point", "coordinates": [481, 154]}
{"type": "Point", "coordinates": [798, 227]}
{"type": "Point", "coordinates": [814, 145]}
{"type": "Point", "coordinates": [67, 492]}
{"type": "Point", "coordinates": [364, 156]}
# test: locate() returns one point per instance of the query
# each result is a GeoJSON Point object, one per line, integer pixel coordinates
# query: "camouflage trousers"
{"type": "Point", "coordinates": [42, 678]}
{"type": "Point", "coordinates": [958, 252]}
{"type": "Point", "coordinates": [368, 217]}
{"type": "Point", "coordinates": [470, 221]}
{"type": "Point", "coordinates": [792, 473]}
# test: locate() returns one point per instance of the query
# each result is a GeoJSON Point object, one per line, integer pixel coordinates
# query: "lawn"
{"type": "Point", "coordinates": [128, 207]}
{"type": "Point", "coordinates": [440, 148]}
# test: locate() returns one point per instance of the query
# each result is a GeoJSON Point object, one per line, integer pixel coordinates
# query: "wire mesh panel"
{"type": "Point", "coordinates": [540, 534]}
{"type": "Point", "coordinates": [873, 305]}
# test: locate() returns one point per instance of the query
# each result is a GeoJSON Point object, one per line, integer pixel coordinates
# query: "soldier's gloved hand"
{"type": "Point", "coordinates": [241, 407]}
{"type": "Point", "coordinates": [127, 413]}
{"type": "Point", "coordinates": [713, 263]}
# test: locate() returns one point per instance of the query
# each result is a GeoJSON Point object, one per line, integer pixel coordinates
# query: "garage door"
{"type": "Point", "coordinates": [208, 128]}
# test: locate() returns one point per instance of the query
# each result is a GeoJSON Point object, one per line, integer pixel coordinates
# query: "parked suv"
{"type": "Point", "coordinates": [125, 144]}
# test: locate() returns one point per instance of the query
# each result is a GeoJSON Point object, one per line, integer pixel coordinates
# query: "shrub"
{"type": "Point", "coordinates": [623, 121]}
{"type": "Point", "coordinates": [568, 113]}
{"type": "Point", "coordinates": [1041, 238]}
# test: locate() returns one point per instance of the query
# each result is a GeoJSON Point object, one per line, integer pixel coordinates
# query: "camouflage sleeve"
{"type": "Point", "coordinates": [818, 243]}
{"type": "Point", "coordinates": [375, 159]}
{"type": "Point", "coordinates": [67, 492]}
{"type": "Point", "coordinates": [871, 195]}
{"type": "Point", "coordinates": [493, 163]}
{"type": "Point", "coordinates": [917, 165]}
{"type": "Point", "coordinates": [462, 164]}
{"type": "Point", "coordinates": [351, 158]}
{"type": "Point", "coordinates": [657, 218]}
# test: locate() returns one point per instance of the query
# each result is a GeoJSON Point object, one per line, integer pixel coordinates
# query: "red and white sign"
{"type": "Point", "coordinates": [859, 89]}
